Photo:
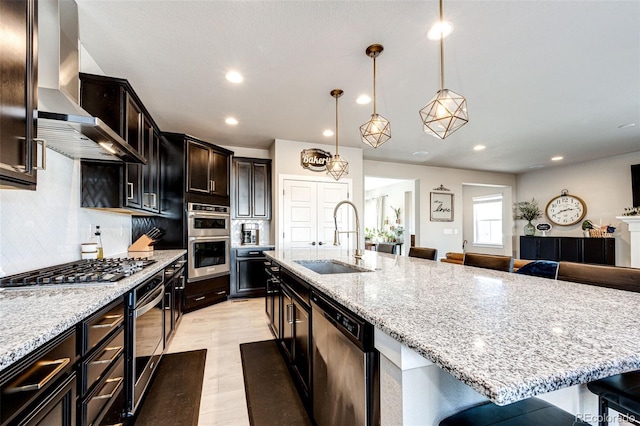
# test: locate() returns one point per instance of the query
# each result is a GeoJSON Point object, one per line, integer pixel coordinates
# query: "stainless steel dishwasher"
{"type": "Point", "coordinates": [346, 384]}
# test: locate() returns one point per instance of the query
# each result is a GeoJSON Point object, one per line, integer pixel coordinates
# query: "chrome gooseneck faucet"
{"type": "Point", "coordinates": [336, 233]}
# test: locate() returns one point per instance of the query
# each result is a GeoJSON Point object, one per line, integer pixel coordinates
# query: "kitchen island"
{"type": "Point", "coordinates": [451, 336]}
{"type": "Point", "coordinates": [31, 317]}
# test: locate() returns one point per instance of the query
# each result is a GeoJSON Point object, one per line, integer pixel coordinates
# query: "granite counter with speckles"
{"type": "Point", "coordinates": [31, 317]}
{"type": "Point", "coordinates": [507, 336]}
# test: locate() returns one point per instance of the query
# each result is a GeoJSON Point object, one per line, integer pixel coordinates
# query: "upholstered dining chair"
{"type": "Point", "coordinates": [386, 248]}
{"type": "Point", "coordinates": [489, 261]}
{"type": "Point", "coordinates": [423, 252]}
{"type": "Point", "coordinates": [622, 391]}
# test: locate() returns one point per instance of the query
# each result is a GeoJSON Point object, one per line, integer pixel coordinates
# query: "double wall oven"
{"type": "Point", "coordinates": [208, 241]}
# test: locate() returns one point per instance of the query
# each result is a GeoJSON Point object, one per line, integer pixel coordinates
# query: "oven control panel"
{"type": "Point", "coordinates": [196, 207]}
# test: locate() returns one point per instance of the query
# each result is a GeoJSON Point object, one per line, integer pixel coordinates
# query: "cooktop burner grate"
{"type": "Point", "coordinates": [79, 272]}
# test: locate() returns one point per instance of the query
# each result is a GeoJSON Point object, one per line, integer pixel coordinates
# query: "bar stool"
{"type": "Point", "coordinates": [386, 248]}
{"type": "Point", "coordinates": [622, 391]}
{"type": "Point", "coordinates": [528, 412]}
{"type": "Point", "coordinates": [489, 261]}
{"type": "Point", "coordinates": [423, 252]}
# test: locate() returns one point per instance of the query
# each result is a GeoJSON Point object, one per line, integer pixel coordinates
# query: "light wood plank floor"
{"type": "Point", "coordinates": [220, 329]}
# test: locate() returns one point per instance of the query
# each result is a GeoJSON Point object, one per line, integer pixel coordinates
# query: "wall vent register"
{"type": "Point", "coordinates": [86, 271]}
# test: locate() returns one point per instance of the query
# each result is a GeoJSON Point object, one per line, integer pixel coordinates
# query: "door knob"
{"type": "Point", "coordinates": [320, 243]}
{"type": "Point", "coordinates": [313, 243]}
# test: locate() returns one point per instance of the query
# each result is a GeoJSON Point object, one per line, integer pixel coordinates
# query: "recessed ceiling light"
{"type": "Point", "coordinates": [479, 147]}
{"type": "Point", "coordinates": [234, 77]}
{"type": "Point", "coordinates": [231, 121]}
{"type": "Point", "coordinates": [328, 133]}
{"type": "Point", "coordinates": [420, 153]}
{"type": "Point", "coordinates": [440, 29]}
{"type": "Point", "coordinates": [624, 126]}
{"type": "Point", "coordinates": [363, 99]}
{"type": "Point", "coordinates": [557, 158]}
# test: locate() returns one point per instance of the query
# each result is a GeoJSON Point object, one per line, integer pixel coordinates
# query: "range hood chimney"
{"type": "Point", "coordinates": [67, 128]}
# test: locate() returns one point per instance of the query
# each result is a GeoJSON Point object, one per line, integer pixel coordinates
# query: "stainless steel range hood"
{"type": "Point", "coordinates": [67, 128]}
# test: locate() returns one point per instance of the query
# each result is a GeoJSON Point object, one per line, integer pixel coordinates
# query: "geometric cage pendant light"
{"type": "Point", "coordinates": [447, 111]}
{"type": "Point", "coordinates": [377, 130]}
{"type": "Point", "coordinates": [337, 167]}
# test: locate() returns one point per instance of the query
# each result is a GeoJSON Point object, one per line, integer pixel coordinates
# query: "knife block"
{"type": "Point", "coordinates": [142, 244]}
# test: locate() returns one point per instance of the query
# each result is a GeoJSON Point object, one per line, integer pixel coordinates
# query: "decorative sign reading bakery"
{"type": "Point", "coordinates": [315, 159]}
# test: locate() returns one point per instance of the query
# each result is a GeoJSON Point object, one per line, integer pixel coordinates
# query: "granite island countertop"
{"type": "Point", "coordinates": [31, 317]}
{"type": "Point", "coordinates": [507, 336]}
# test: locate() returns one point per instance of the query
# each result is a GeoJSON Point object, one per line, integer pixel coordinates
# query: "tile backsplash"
{"type": "Point", "coordinates": [45, 227]}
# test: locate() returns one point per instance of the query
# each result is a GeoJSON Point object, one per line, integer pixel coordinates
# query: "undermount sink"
{"type": "Point", "coordinates": [330, 267]}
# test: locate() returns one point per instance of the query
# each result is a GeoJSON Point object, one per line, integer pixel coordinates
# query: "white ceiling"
{"type": "Point", "coordinates": [541, 78]}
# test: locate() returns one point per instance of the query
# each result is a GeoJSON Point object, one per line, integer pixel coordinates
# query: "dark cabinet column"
{"type": "Point", "coordinates": [18, 97]}
{"type": "Point", "coordinates": [252, 188]}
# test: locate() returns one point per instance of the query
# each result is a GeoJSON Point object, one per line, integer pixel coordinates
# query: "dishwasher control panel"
{"type": "Point", "coordinates": [338, 316]}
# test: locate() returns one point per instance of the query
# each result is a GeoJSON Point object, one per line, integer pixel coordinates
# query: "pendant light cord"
{"type": "Point", "coordinates": [336, 125]}
{"type": "Point", "coordinates": [441, 50]}
{"type": "Point", "coordinates": [374, 84]}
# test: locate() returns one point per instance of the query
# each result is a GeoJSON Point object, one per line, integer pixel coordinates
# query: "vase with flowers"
{"type": "Point", "coordinates": [528, 210]}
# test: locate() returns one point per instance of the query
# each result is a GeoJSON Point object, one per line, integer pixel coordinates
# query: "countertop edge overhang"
{"type": "Point", "coordinates": [32, 317]}
{"type": "Point", "coordinates": [560, 346]}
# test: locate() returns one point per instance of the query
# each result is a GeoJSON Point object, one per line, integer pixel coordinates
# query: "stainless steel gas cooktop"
{"type": "Point", "coordinates": [80, 272]}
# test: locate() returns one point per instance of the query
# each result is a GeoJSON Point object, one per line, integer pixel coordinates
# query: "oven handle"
{"type": "Point", "coordinates": [192, 239]}
{"type": "Point", "coordinates": [205, 214]}
{"type": "Point", "coordinates": [148, 306]}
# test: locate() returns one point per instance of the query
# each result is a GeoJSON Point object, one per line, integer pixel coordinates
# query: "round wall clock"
{"type": "Point", "coordinates": [566, 209]}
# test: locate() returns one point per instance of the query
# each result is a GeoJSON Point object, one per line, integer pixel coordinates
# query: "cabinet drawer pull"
{"type": "Point", "coordinates": [129, 191]}
{"type": "Point", "coordinates": [118, 381]}
{"type": "Point", "coordinates": [118, 350]}
{"type": "Point", "coordinates": [221, 292]}
{"type": "Point", "coordinates": [33, 373]}
{"type": "Point", "coordinates": [197, 299]}
{"type": "Point", "coordinates": [111, 324]}
{"type": "Point", "coordinates": [44, 154]}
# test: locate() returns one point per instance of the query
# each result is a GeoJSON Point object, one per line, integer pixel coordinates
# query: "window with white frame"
{"type": "Point", "coordinates": [487, 220]}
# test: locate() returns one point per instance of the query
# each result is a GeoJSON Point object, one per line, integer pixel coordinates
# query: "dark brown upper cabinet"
{"type": "Point", "coordinates": [137, 187]}
{"type": "Point", "coordinates": [252, 188]}
{"type": "Point", "coordinates": [203, 177]}
{"type": "Point", "coordinates": [18, 97]}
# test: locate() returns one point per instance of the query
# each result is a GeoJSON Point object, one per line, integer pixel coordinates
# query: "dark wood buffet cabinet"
{"type": "Point", "coordinates": [569, 249]}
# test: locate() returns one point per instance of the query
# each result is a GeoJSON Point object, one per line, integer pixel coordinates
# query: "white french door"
{"type": "Point", "coordinates": [308, 214]}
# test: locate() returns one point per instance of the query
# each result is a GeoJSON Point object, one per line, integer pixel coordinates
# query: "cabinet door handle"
{"type": "Point", "coordinates": [290, 318]}
{"type": "Point", "coordinates": [212, 185]}
{"type": "Point", "coordinates": [118, 351]}
{"type": "Point", "coordinates": [118, 381]}
{"type": "Point", "coordinates": [197, 299]}
{"type": "Point", "coordinates": [221, 292]}
{"type": "Point", "coordinates": [129, 191]}
{"type": "Point", "coordinates": [154, 197]}
{"type": "Point", "coordinates": [116, 319]}
{"type": "Point", "coordinates": [42, 142]}
{"type": "Point", "coordinates": [60, 365]}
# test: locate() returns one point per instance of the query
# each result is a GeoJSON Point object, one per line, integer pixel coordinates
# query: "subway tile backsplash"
{"type": "Point", "coordinates": [45, 227]}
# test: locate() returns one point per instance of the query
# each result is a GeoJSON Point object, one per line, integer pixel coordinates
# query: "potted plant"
{"type": "Point", "coordinates": [528, 210]}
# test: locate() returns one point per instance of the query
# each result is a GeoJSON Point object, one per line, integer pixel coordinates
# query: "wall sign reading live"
{"type": "Point", "coordinates": [314, 159]}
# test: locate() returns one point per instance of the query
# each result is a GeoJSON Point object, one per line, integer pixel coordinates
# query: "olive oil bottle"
{"type": "Point", "coordinates": [99, 241]}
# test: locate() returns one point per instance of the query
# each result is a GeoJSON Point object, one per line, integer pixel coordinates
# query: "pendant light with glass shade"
{"type": "Point", "coordinates": [336, 167]}
{"type": "Point", "coordinates": [377, 130]}
{"type": "Point", "coordinates": [447, 111]}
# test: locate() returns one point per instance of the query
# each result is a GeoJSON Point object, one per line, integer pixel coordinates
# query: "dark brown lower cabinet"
{"type": "Point", "coordinates": [41, 388]}
{"type": "Point", "coordinates": [569, 249]}
{"type": "Point", "coordinates": [199, 294]}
